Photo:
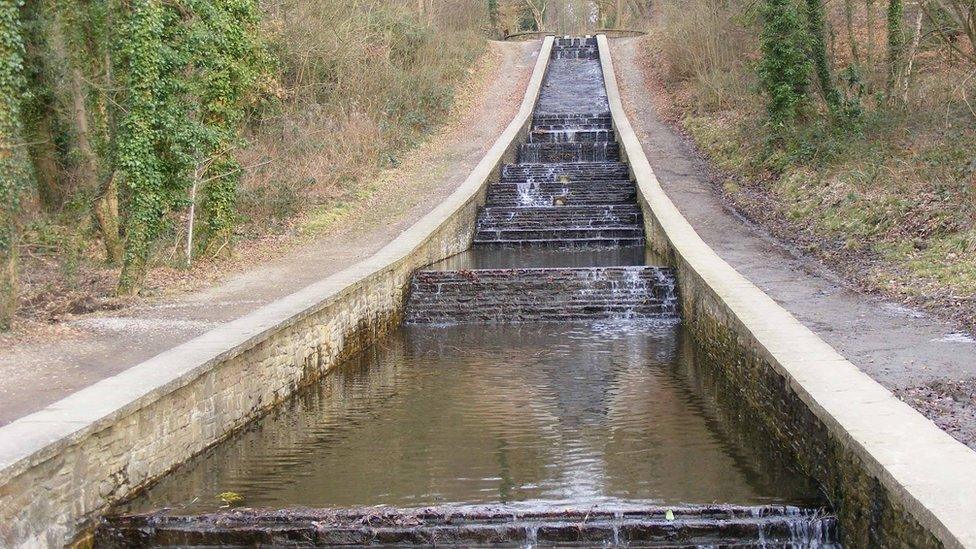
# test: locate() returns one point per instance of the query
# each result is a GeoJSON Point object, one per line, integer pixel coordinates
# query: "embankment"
{"type": "Point", "coordinates": [61, 467]}
{"type": "Point", "coordinates": [894, 478]}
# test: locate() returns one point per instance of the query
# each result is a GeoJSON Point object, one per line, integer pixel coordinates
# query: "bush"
{"type": "Point", "coordinates": [703, 42]}
{"type": "Point", "coordinates": [359, 82]}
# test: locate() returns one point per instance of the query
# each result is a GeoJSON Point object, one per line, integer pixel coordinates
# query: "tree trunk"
{"type": "Point", "coordinates": [106, 207]}
{"type": "Point", "coordinates": [136, 157]}
{"type": "Point", "coordinates": [818, 51]}
{"type": "Point", "coordinates": [870, 23]}
{"type": "Point", "coordinates": [44, 158]}
{"type": "Point", "coordinates": [8, 280]}
{"type": "Point", "coordinates": [913, 49]}
{"type": "Point", "coordinates": [40, 123]}
{"type": "Point", "coordinates": [851, 37]}
{"type": "Point", "coordinates": [87, 174]}
{"type": "Point", "coordinates": [105, 202]}
{"type": "Point", "coordinates": [896, 43]}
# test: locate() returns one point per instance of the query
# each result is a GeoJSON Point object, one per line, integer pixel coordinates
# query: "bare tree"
{"type": "Point", "coordinates": [952, 19]}
{"type": "Point", "coordinates": [538, 9]}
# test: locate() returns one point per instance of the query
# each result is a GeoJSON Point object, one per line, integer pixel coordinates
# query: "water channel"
{"type": "Point", "coordinates": [546, 370]}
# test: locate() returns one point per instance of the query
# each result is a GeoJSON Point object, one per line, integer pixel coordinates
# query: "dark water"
{"type": "Point", "coordinates": [573, 86]}
{"type": "Point", "coordinates": [514, 258]}
{"type": "Point", "coordinates": [533, 414]}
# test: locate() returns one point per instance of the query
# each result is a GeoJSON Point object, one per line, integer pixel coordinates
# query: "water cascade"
{"type": "Point", "coordinates": [540, 392]}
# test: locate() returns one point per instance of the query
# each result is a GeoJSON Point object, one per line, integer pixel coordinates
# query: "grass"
{"type": "Point", "coordinates": [357, 85]}
{"type": "Point", "coordinates": [361, 82]}
{"type": "Point", "coordinates": [891, 201]}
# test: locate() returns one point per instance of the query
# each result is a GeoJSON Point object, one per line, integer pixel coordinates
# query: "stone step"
{"type": "Point", "coordinates": [563, 238]}
{"type": "Point", "coordinates": [518, 295]}
{"type": "Point", "coordinates": [599, 151]}
{"type": "Point", "coordinates": [574, 193]}
{"type": "Point", "coordinates": [571, 136]}
{"type": "Point", "coordinates": [569, 41]}
{"type": "Point", "coordinates": [569, 120]}
{"type": "Point", "coordinates": [579, 171]}
{"type": "Point", "coordinates": [559, 217]}
{"type": "Point", "coordinates": [466, 526]}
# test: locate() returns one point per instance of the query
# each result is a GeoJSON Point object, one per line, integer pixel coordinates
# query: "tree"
{"type": "Point", "coordinates": [818, 52]}
{"type": "Point", "coordinates": [492, 7]}
{"type": "Point", "coordinates": [784, 68]}
{"type": "Point", "coordinates": [538, 9]}
{"type": "Point", "coordinates": [896, 43]}
{"type": "Point", "coordinates": [14, 170]}
{"type": "Point", "coordinates": [953, 19]}
{"type": "Point", "coordinates": [139, 61]}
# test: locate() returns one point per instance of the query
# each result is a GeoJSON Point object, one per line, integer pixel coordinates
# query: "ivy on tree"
{"type": "Point", "coordinates": [14, 170]}
{"type": "Point", "coordinates": [192, 68]}
{"type": "Point", "coordinates": [784, 70]}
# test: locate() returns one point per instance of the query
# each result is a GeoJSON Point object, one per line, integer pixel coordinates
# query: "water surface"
{"type": "Point", "coordinates": [534, 414]}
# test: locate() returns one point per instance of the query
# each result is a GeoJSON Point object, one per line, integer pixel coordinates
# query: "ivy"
{"type": "Point", "coordinates": [14, 171]}
{"type": "Point", "coordinates": [818, 51]}
{"type": "Point", "coordinates": [199, 62]}
{"type": "Point", "coordinates": [784, 70]}
{"type": "Point", "coordinates": [228, 56]}
{"type": "Point", "coordinates": [139, 50]}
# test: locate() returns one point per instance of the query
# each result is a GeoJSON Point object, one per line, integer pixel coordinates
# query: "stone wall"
{"type": "Point", "coordinates": [894, 478]}
{"type": "Point", "coordinates": [63, 466]}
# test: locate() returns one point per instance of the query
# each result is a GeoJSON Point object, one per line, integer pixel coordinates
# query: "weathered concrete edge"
{"type": "Point", "coordinates": [932, 474]}
{"type": "Point", "coordinates": [41, 436]}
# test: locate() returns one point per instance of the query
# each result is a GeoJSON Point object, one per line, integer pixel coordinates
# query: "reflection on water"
{"type": "Point", "coordinates": [570, 414]}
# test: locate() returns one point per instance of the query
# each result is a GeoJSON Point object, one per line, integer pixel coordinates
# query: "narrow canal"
{"type": "Point", "coordinates": [545, 371]}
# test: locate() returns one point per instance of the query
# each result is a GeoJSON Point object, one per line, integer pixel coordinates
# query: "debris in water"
{"type": "Point", "coordinates": [230, 498]}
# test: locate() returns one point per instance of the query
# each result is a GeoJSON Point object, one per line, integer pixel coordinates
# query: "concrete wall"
{"type": "Point", "coordinates": [61, 467]}
{"type": "Point", "coordinates": [895, 479]}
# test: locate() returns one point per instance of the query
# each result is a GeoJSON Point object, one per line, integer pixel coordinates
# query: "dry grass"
{"type": "Point", "coordinates": [703, 44]}
{"type": "Point", "coordinates": [892, 205]}
{"type": "Point", "coordinates": [358, 83]}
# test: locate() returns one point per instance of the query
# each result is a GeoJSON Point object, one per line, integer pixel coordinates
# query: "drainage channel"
{"type": "Point", "coordinates": [540, 391]}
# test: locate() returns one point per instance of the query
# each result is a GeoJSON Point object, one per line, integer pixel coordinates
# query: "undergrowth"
{"type": "Point", "coordinates": [355, 84]}
{"type": "Point", "coordinates": [889, 199]}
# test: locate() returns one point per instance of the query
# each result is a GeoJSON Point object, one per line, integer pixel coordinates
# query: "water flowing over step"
{"type": "Point", "coordinates": [560, 226]}
{"type": "Point", "coordinates": [568, 217]}
{"type": "Point", "coordinates": [570, 193]}
{"type": "Point", "coordinates": [685, 526]}
{"type": "Point", "coordinates": [543, 294]}
{"type": "Point", "coordinates": [572, 121]}
{"type": "Point", "coordinates": [575, 48]}
{"type": "Point", "coordinates": [580, 171]}
{"type": "Point", "coordinates": [548, 153]}
{"type": "Point", "coordinates": [571, 136]}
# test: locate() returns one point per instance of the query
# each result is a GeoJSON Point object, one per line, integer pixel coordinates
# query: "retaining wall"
{"type": "Point", "coordinates": [894, 478]}
{"type": "Point", "coordinates": [63, 466]}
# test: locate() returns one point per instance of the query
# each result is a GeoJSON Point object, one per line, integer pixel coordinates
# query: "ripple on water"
{"type": "Point", "coordinates": [572, 414]}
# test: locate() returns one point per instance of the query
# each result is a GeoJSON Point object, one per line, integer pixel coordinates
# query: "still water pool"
{"type": "Point", "coordinates": [573, 414]}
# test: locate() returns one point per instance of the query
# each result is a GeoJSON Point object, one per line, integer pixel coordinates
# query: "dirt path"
{"type": "Point", "coordinates": [41, 371]}
{"type": "Point", "coordinates": [921, 359]}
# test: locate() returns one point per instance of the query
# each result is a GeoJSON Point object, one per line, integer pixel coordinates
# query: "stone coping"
{"type": "Point", "coordinates": [40, 436]}
{"type": "Point", "coordinates": [927, 471]}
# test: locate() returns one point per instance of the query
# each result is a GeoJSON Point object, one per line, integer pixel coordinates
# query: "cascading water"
{"type": "Point", "coordinates": [573, 419]}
